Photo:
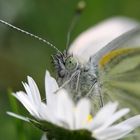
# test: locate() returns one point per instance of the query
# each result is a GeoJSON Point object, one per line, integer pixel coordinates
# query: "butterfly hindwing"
{"type": "Point", "coordinates": [119, 73]}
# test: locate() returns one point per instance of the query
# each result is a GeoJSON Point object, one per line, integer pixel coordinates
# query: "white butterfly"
{"type": "Point", "coordinates": [80, 65]}
{"type": "Point", "coordinates": [79, 69]}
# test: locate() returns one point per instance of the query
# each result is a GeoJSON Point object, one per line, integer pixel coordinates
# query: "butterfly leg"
{"type": "Point", "coordinates": [77, 82]}
{"type": "Point", "coordinates": [70, 79]}
{"type": "Point", "coordinates": [97, 90]}
{"type": "Point", "coordinates": [101, 99]}
{"type": "Point", "coordinates": [99, 93]}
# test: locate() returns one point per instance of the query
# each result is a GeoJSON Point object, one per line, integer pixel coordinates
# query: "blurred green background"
{"type": "Point", "coordinates": [20, 55]}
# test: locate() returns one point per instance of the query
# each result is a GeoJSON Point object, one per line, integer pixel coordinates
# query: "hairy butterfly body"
{"type": "Point", "coordinates": [72, 75]}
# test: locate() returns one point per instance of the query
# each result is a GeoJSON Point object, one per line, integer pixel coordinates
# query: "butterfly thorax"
{"type": "Point", "coordinates": [78, 79]}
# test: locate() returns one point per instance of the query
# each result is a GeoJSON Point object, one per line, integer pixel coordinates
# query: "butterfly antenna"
{"type": "Point", "coordinates": [80, 7]}
{"type": "Point", "coordinates": [30, 34]}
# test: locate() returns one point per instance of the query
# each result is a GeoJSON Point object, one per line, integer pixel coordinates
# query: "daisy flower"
{"type": "Point", "coordinates": [60, 111]}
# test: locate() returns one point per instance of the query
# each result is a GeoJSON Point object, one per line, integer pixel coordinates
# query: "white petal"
{"type": "Point", "coordinates": [23, 98]}
{"type": "Point", "coordinates": [114, 118]}
{"type": "Point", "coordinates": [112, 133]}
{"type": "Point", "coordinates": [28, 92]}
{"type": "Point", "coordinates": [65, 109]}
{"type": "Point", "coordinates": [103, 115]}
{"type": "Point", "coordinates": [97, 37]}
{"type": "Point", "coordinates": [133, 122]}
{"type": "Point", "coordinates": [47, 113]}
{"type": "Point", "coordinates": [44, 112]}
{"type": "Point", "coordinates": [51, 86]}
{"type": "Point", "coordinates": [34, 91]}
{"type": "Point", "coordinates": [120, 130]}
{"type": "Point", "coordinates": [17, 116]}
{"type": "Point", "coordinates": [82, 112]}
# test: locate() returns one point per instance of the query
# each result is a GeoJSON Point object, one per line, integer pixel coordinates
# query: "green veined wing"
{"type": "Point", "coordinates": [119, 73]}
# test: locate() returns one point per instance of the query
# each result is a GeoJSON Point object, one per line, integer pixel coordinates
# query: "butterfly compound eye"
{"type": "Point", "coordinates": [71, 63]}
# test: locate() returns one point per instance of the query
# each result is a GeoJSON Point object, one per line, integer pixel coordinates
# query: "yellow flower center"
{"type": "Point", "coordinates": [89, 118]}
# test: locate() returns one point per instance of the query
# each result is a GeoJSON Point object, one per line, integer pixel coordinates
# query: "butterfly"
{"type": "Point", "coordinates": [104, 66]}
{"type": "Point", "coordinates": [103, 63]}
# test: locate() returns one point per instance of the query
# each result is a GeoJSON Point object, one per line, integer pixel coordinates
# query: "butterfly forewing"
{"type": "Point", "coordinates": [129, 39]}
{"type": "Point", "coordinates": [94, 39]}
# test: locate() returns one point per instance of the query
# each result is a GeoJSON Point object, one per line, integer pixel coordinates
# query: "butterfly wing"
{"type": "Point", "coordinates": [119, 69]}
{"type": "Point", "coordinates": [95, 38]}
{"type": "Point", "coordinates": [119, 75]}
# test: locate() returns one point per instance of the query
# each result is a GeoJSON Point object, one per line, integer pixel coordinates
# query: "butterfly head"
{"type": "Point", "coordinates": [65, 64]}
